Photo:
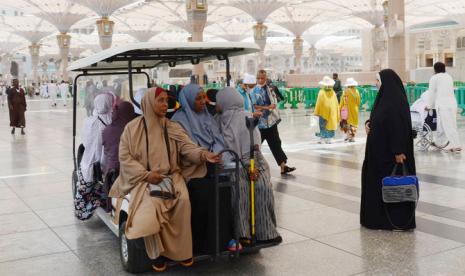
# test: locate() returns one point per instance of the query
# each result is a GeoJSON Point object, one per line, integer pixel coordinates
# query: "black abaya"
{"type": "Point", "coordinates": [390, 135]}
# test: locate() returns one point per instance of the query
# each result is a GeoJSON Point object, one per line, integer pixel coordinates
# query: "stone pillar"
{"type": "Point", "coordinates": [367, 51]}
{"type": "Point", "coordinates": [379, 40]}
{"type": "Point", "coordinates": [298, 51]}
{"type": "Point", "coordinates": [419, 63]}
{"type": "Point", "coordinates": [312, 54]}
{"type": "Point", "coordinates": [64, 42]}
{"type": "Point", "coordinates": [259, 35]}
{"type": "Point", "coordinates": [45, 75]}
{"type": "Point", "coordinates": [435, 47]}
{"type": "Point", "coordinates": [105, 32]}
{"type": "Point", "coordinates": [34, 50]}
{"type": "Point", "coordinates": [396, 41]}
{"type": "Point", "coordinates": [412, 50]}
{"type": "Point", "coordinates": [197, 18]}
{"type": "Point", "coordinates": [374, 46]}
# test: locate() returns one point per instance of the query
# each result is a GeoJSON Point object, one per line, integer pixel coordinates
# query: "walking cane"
{"type": "Point", "coordinates": [251, 124]}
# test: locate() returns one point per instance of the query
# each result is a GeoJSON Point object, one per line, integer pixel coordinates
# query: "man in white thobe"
{"type": "Point", "coordinates": [64, 90]}
{"type": "Point", "coordinates": [442, 98]}
{"type": "Point", "coordinates": [43, 90]}
{"type": "Point", "coordinates": [52, 92]}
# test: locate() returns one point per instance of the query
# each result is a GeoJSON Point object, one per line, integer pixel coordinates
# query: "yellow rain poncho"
{"type": "Point", "coordinates": [327, 108]}
{"type": "Point", "coordinates": [351, 99]}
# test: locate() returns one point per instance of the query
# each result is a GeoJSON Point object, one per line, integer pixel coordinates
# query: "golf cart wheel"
{"type": "Point", "coordinates": [74, 179]}
{"type": "Point", "coordinates": [133, 256]}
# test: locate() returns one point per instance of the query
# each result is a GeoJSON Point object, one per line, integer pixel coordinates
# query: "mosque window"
{"type": "Point", "coordinates": [429, 61]}
{"type": "Point", "coordinates": [449, 60]}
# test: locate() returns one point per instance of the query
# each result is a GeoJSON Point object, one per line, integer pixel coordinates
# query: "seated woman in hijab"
{"type": "Point", "coordinates": [203, 130]}
{"type": "Point", "coordinates": [157, 155]}
{"type": "Point", "coordinates": [231, 117]}
{"type": "Point", "coordinates": [122, 115]}
{"type": "Point", "coordinates": [86, 198]}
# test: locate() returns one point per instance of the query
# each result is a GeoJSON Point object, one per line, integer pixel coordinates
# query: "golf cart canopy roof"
{"type": "Point", "coordinates": [151, 54]}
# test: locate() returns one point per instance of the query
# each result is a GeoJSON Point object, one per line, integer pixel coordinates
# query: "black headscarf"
{"type": "Point", "coordinates": [391, 97]}
{"type": "Point", "coordinates": [211, 101]}
{"type": "Point", "coordinates": [391, 111]}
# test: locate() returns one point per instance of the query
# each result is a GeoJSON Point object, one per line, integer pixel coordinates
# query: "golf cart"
{"type": "Point", "coordinates": [132, 60]}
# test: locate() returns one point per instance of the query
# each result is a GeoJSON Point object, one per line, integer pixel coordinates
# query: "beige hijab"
{"type": "Point", "coordinates": [133, 151]}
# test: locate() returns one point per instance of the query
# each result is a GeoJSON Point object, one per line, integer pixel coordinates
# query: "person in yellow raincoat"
{"type": "Point", "coordinates": [349, 106]}
{"type": "Point", "coordinates": [327, 109]}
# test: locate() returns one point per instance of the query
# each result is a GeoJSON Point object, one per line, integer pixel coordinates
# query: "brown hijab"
{"type": "Point", "coordinates": [133, 149]}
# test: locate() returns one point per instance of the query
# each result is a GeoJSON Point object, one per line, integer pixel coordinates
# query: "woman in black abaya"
{"type": "Point", "coordinates": [389, 141]}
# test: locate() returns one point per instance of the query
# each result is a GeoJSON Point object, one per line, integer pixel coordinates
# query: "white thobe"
{"type": "Point", "coordinates": [64, 89]}
{"type": "Point", "coordinates": [442, 98]}
{"type": "Point", "coordinates": [43, 91]}
{"type": "Point", "coordinates": [52, 92]}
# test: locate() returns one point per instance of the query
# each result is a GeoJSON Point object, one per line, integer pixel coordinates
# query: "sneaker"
{"type": "Point", "coordinates": [13, 131]}
{"type": "Point", "coordinates": [288, 170]}
{"type": "Point", "coordinates": [22, 132]}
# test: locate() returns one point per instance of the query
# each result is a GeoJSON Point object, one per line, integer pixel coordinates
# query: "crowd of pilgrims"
{"type": "Point", "coordinates": [170, 145]}
{"type": "Point", "coordinates": [173, 140]}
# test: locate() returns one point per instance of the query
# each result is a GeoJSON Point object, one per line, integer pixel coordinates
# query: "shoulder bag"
{"type": "Point", "coordinates": [164, 189]}
{"type": "Point", "coordinates": [345, 110]}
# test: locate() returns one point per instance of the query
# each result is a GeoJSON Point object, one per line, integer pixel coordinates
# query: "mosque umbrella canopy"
{"type": "Point", "coordinates": [230, 20]}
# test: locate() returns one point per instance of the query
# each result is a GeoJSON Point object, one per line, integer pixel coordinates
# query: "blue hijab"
{"type": "Point", "coordinates": [201, 127]}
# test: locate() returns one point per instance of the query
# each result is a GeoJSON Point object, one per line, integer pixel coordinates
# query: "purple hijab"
{"type": "Point", "coordinates": [122, 115]}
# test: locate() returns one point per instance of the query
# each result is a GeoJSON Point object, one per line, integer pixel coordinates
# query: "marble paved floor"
{"type": "Point", "coordinates": [317, 210]}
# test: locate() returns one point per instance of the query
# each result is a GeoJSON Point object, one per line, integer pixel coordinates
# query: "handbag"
{"type": "Point", "coordinates": [397, 189]}
{"type": "Point", "coordinates": [164, 189]}
{"type": "Point", "coordinates": [345, 111]}
{"type": "Point", "coordinates": [400, 189]}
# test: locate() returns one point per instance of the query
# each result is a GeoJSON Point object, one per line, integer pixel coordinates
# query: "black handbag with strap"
{"type": "Point", "coordinates": [164, 189]}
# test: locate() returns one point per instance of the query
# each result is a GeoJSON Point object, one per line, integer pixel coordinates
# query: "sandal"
{"type": "Point", "coordinates": [288, 170]}
{"type": "Point", "coordinates": [160, 264]}
{"type": "Point", "coordinates": [159, 267]}
{"type": "Point", "coordinates": [187, 263]}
